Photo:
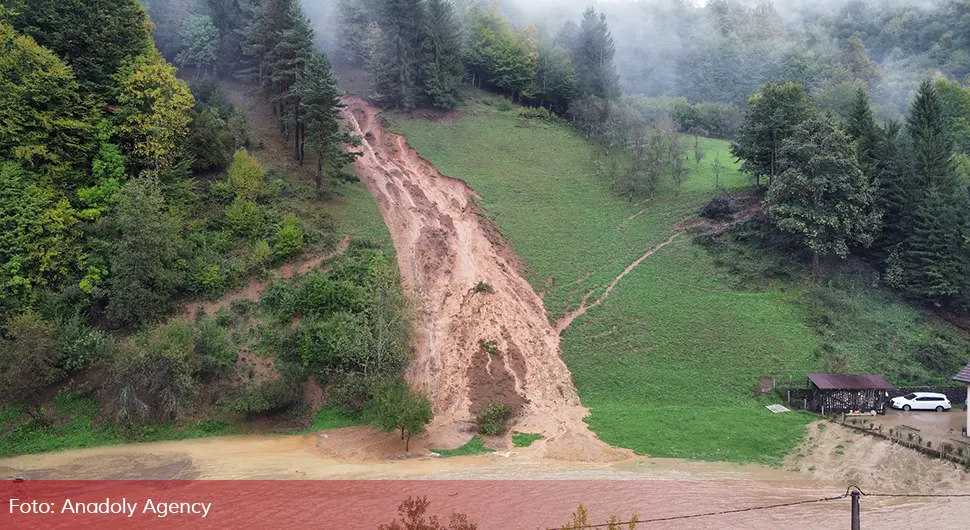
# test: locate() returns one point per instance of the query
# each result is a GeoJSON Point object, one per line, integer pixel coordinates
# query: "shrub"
{"type": "Point", "coordinates": [244, 217]}
{"type": "Point", "coordinates": [216, 357]}
{"type": "Point", "coordinates": [221, 192]}
{"type": "Point", "coordinates": [493, 418]}
{"type": "Point", "coordinates": [76, 346]}
{"type": "Point", "coordinates": [267, 397]}
{"type": "Point", "coordinates": [718, 209]}
{"type": "Point", "coordinates": [319, 295]}
{"type": "Point", "coordinates": [488, 346]}
{"type": "Point", "coordinates": [289, 237]}
{"type": "Point", "coordinates": [483, 287]}
{"type": "Point", "coordinates": [261, 255]}
{"type": "Point", "coordinates": [541, 113]}
{"type": "Point", "coordinates": [246, 176]}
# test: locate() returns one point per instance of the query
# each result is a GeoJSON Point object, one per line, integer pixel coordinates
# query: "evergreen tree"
{"type": "Point", "coordinates": [863, 129]}
{"type": "Point", "coordinates": [200, 43]}
{"type": "Point", "coordinates": [932, 253]}
{"type": "Point", "coordinates": [822, 197]}
{"type": "Point", "coordinates": [147, 255]}
{"type": "Point", "coordinates": [229, 19]}
{"type": "Point", "coordinates": [44, 123]}
{"type": "Point", "coordinates": [266, 22]}
{"type": "Point", "coordinates": [773, 115]}
{"type": "Point", "coordinates": [286, 61]}
{"type": "Point", "coordinates": [895, 193]}
{"type": "Point", "coordinates": [931, 256]}
{"type": "Point", "coordinates": [932, 142]}
{"type": "Point", "coordinates": [355, 17]}
{"type": "Point", "coordinates": [395, 66]}
{"type": "Point", "coordinates": [595, 68]}
{"type": "Point", "coordinates": [320, 103]}
{"type": "Point", "coordinates": [93, 36]}
{"type": "Point", "coordinates": [442, 55]}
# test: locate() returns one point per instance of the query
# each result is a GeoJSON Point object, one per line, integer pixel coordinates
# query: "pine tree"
{"type": "Point", "coordinates": [927, 126]}
{"type": "Point", "coordinates": [822, 197]}
{"type": "Point", "coordinates": [931, 256]}
{"type": "Point", "coordinates": [396, 64]}
{"type": "Point", "coordinates": [355, 17]}
{"type": "Point", "coordinates": [895, 192]}
{"type": "Point", "coordinates": [863, 129]}
{"type": "Point", "coordinates": [442, 55]}
{"type": "Point", "coordinates": [289, 55]}
{"type": "Point", "coordinates": [266, 22]}
{"type": "Point", "coordinates": [595, 68]}
{"type": "Point", "coordinates": [320, 104]}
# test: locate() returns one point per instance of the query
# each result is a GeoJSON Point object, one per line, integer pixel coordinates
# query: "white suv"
{"type": "Point", "coordinates": [921, 401]}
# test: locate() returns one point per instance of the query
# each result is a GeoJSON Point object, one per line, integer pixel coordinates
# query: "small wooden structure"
{"type": "Point", "coordinates": [964, 377]}
{"type": "Point", "coordinates": [847, 393]}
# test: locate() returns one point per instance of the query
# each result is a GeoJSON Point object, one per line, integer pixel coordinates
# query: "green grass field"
{"type": "Point", "coordinates": [669, 363]}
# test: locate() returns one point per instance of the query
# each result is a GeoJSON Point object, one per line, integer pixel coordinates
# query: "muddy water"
{"type": "Point", "coordinates": [654, 488]}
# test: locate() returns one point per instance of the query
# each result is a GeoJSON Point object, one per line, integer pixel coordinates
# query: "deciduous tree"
{"type": "Point", "coordinates": [822, 197]}
{"type": "Point", "coordinates": [773, 115]}
{"type": "Point", "coordinates": [154, 112]}
{"type": "Point", "coordinates": [396, 407]}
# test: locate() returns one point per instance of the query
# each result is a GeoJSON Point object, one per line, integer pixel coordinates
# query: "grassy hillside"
{"type": "Point", "coordinates": [669, 362]}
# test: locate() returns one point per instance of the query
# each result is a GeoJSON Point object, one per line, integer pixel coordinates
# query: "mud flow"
{"type": "Point", "coordinates": [475, 346]}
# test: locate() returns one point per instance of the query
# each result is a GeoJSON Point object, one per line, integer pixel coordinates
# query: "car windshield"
{"type": "Point", "coordinates": [909, 396]}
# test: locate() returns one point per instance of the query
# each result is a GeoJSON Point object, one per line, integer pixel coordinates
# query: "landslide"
{"type": "Point", "coordinates": [474, 347]}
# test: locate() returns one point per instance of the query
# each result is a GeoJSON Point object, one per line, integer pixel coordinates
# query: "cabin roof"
{"type": "Point", "coordinates": [849, 382]}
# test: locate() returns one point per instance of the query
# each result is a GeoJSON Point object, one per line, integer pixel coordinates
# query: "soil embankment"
{"type": "Point", "coordinates": [474, 346]}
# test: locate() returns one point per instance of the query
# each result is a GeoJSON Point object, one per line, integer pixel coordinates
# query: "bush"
{"type": "Point", "coordinates": [541, 113]}
{"type": "Point", "coordinates": [244, 217]}
{"type": "Point", "coordinates": [221, 192]}
{"type": "Point", "coordinates": [289, 238]}
{"type": "Point", "coordinates": [268, 397]}
{"type": "Point", "coordinates": [493, 419]}
{"type": "Point", "coordinates": [246, 176]}
{"type": "Point", "coordinates": [76, 346]}
{"type": "Point", "coordinates": [483, 287]}
{"type": "Point", "coordinates": [216, 356]}
{"type": "Point", "coordinates": [718, 209]}
{"type": "Point", "coordinates": [209, 141]}
{"type": "Point", "coordinates": [319, 296]}
{"type": "Point", "coordinates": [261, 255]}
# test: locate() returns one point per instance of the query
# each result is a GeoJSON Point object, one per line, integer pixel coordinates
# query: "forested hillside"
{"type": "Point", "coordinates": [130, 188]}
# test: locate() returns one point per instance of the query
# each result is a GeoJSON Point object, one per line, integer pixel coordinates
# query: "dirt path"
{"type": "Point", "coordinates": [474, 348]}
{"type": "Point", "coordinates": [563, 323]}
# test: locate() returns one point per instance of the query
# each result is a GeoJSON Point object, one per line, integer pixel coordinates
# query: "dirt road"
{"type": "Point", "coordinates": [475, 347]}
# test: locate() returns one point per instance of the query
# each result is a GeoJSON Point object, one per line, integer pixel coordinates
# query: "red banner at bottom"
{"type": "Point", "coordinates": [490, 505]}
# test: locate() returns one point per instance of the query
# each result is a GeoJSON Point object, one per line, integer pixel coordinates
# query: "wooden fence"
{"type": "Point", "coordinates": [947, 451]}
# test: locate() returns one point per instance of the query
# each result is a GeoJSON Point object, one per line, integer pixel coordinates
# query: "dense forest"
{"type": "Point", "coordinates": [127, 191]}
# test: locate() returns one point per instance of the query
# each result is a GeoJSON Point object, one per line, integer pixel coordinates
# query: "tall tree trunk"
{"type": "Point", "coordinates": [816, 272]}
{"type": "Point", "coordinates": [296, 130]}
{"type": "Point", "coordinates": [407, 444]}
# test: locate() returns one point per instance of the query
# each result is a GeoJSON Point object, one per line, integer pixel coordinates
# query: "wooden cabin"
{"type": "Point", "coordinates": [848, 393]}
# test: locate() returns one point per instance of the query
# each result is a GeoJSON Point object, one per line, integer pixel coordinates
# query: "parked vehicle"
{"type": "Point", "coordinates": [921, 401]}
